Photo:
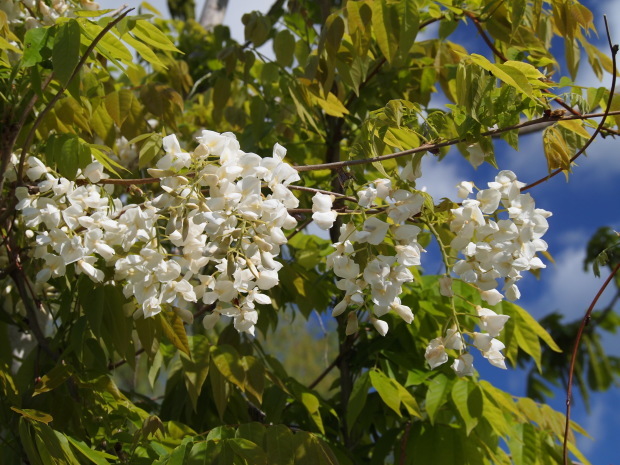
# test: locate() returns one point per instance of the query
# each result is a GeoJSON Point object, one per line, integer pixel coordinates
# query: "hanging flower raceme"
{"type": "Point", "coordinates": [376, 287]}
{"type": "Point", "coordinates": [212, 234]}
{"type": "Point", "coordinates": [499, 235]}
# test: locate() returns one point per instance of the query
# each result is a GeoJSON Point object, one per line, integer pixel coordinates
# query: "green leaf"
{"type": "Point", "coordinates": [284, 47]}
{"type": "Point", "coordinates": [177, 456]}
{"type": "Point", "coordinates": [508, 74]}
{"type": "Point", "coordinates": [67, 153]}
{"type": "Point", "coordinates": [34, 415]}
{"type": "Point", "coordinates": [95, 456]}
{"type": "Point", "coordinates": [228, 363]}
{"type": "Point", "coordinates": [52, 379]}
{"type": "Point", "coordinates": [311, 450]}
{"type": "Point", "coordinates": [27, 442]}
{"type": "Point", "coordinates": [151, 147]}
{"type": "Point", "coordinates": [66, 51]}
{"type": "Point", "coordinates": [524, 444]}
{"type": "Point", "coordinates": [385, 25]}
{"type": "Point", "coordinates": [119, 104]}
{"type": "Point", "coordinates": [530, 322]}
{"type": "Point", "coordinates": [145, 52]}
{"type": "Point", "coordinates": [528, 341]}
{"type": "Point", "coordinates": [357, 400]}
{"type": "Point", "coordinates": [312, 404]}
{"type": "Point", "coordinates": [334, 30]}
{"type": "Point", "coordinates": [204, 453]}
{"type": "Point", "coordinates": [196, 367]}
{"type": "Point", "coordinates": [254, 377]}
{"type": "Point", "coordinates": [220, 389]}
{"type": "Point", "coordinates": [408, 400]}
{"type": "Point", "coordinates": [409, 24]}
{"type": "Point", "coordinates": [174, 330]}
{"type": "Point", "coordinates": [152, 35]}
{"type": "Point", "coordinates": [386, 389]}
{"type": "Point", "coordinates": [465, 393]}
{"type": "Point", "coordinates": [575, 126]}
{"type": "Point", "coordinates": [248, 450]}
{"type": "Point", "coordinates": [436, 395]}
{"type": "Point", "coordinates": [279, 445]}
{"type": "Point", "coordinates": [35, 41]}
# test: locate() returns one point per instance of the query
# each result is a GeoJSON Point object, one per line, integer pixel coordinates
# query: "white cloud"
{"type": "Point", "coordinates": [594, 423]}
{"type": "Point", "coordinates": [439, 178]}
{"type": "Point", "coordinates": [567, 288]}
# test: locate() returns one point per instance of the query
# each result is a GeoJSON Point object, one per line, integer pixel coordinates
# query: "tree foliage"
{"type": "Point", "coordinates": [98, 197]}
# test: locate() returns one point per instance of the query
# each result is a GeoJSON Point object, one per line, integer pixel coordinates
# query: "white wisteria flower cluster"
{"type": "Point", "coordinates": [499, 234]}
{"type": "Point", "coordinates": [491, 325]}
{"type": "Point", "coordinates": [32, 12]}
{"type": "Point", "coordinates": [374, 283]}
{"type": "Point", "coordinates": [221, 216]}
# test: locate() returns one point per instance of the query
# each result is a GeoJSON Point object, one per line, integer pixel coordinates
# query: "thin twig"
{"type": "Point", "coordinates": [9, 144]}
{"type": "Point", "coordinates": [299, 228]}
{"type": "Point", "coordinates": [62, 90]}
{"type": "Point", "coordinates": [437, 145]}
{"type": "Point", "coordinates": [403, 444]}
{"type": "Point", "coordinates": [614, 52]}
{"type": "Point", "coordinates": [503, 57]}
{"type": "Point", "coordinates": [573, 360]}
{"type": "Point", "coordinates": [322, 191]}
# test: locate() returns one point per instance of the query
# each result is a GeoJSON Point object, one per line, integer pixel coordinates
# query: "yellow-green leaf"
{"type": "Point", "coordinates": [174, 330]}
{"type": "Point", "coordinates": [575, 126]}
{"type": "Point", "coordinates": [385, 25]}
{"type": "Point", "coordinates": [152, 35]}
{"type": "Point", "coordinates": [386, 389]}
{"type": "Point", "coordinates": [34, 415]}
{"type": "Point", "coordinates": [556, 149]}
{"type": "Point", "coordinates": [332, 106]}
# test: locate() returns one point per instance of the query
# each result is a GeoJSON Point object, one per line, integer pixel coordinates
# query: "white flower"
{"type": "Point", "coordinates": [464, 365]}
{"type": "Point", "coordinates": [492, 296]}
{"type": "Point", "coordinates": [384, 187]}
{"type": "Point", "coordinates": [325, 220]}
{"type": "Point", "coordinates": [352, 324]}
{"type": "Point", "coordinates": [482, 341]}
{"type": "Point", "coordinates": [435, 353]}
{"type": "Point", "coordinates": [493, 354]}
{"type": "Point", "coordinates": [476, 155]}
{"type": "Point", "coordinates": [453, 339]}
{"type": "Point", "coordinates": [402, 311]}
{"type": "Point", "coordinates": [93, 172]}
{"type": "Point", "coordinates": [445, 286]}
{"type": "Point", "coordinates": [490, 321]}
{"type": "Point", "coordinates": [374, 231]}
{"type": "Point", "coordinates": [464, 189]}
{"type": "Point", "coordinates": [367, 197]}
{"type": "Point", "coordinates": [380, 325]}
{"type": "Point", "coordinates": [210, 320]}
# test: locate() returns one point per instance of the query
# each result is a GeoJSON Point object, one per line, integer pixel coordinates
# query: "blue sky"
{"type": "Point", "coordinates": [579, 208]}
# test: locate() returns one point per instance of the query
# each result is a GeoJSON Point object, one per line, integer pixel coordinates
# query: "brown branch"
{"type": "Point", "coordinates": [403, 444]}
{"type": "Point", "coordinates": [322, 191]}
{"type": "Point", "coordinates": [62, 90]}
{"type": "Point", "coordinates": [437, 145]}
{"type": "Point", "coordinates": [326, 371]}
{"type": "Point", "coordinates": [28, 297]}
{"type": "Point", "coordinates": [485, 36]}
{"type": "Point", "coordinates": [614, 52]}
{"type": "Point", "coordinates": [573, 360]}
{"type": "Point", "coordinates": [299, 228]}
{"type": "Point", "coordinates": [9, 144]}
